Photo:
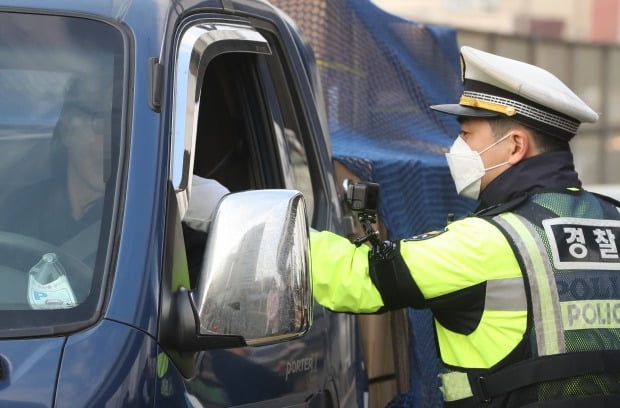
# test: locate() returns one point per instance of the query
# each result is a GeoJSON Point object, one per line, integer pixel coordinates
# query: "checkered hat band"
{"type": "Point", "coordinates": [528, 111]}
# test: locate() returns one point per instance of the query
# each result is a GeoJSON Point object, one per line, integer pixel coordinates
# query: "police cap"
{"type": "Point", "coordinates": [496, 86]}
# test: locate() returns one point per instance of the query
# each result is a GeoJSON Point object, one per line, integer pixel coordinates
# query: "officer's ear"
{"type": "Point", "coordinates": [521, 146]}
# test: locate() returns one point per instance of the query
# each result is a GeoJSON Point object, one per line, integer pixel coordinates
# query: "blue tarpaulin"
{"type": "Point", "coordinates": [379, 75]}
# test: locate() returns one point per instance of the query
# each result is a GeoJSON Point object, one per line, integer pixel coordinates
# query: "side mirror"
{"type": "Point", "coordinates": [254, 287]}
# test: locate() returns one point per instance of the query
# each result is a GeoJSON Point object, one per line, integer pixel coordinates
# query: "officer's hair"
{"type": "Point", "coordinates": [545, 143]}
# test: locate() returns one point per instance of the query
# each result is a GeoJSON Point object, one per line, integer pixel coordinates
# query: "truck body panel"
{"type": "Point", "coordinates": [129, 334]}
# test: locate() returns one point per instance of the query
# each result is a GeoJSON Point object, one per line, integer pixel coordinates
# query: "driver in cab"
{"type": "Point", "coordinates": [66, 209]}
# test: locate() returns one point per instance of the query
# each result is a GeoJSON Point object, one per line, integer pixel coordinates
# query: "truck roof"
{"type": "Point", "coordinates": [119, 10]}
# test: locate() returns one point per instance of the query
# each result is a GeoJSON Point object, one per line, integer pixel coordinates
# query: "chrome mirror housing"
{"type": "Point", "coordinates": [255, 278]}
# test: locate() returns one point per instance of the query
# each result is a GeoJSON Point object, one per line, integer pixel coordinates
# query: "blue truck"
{"type": "Point", "coordinates": [110, 110]}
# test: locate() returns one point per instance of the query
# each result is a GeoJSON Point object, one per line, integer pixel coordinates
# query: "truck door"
{"type": "Point", "coordinates": [238, 119]}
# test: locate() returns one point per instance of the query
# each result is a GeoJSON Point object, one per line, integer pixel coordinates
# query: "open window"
{"type": "Point", "coordinates": [234, 141]}
{"type": "Point", "coordinates": [237, 121]}
{"type": "Point", "coordinates": [236, 117]}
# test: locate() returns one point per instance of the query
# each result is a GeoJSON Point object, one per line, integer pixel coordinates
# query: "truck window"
{"type": "Point", "coordinates": [234, 141]}
{"type": "Point", "coordinates": [61, 82]}
{"type": "Point", "coordinates": [249, 135]}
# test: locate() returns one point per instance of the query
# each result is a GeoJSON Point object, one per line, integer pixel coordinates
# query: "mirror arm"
{"type": "Point", "coordinates": [185, 320]}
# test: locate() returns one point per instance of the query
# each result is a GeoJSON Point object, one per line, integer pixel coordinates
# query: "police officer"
{"type": "Point", "coordinates": [525, 294]}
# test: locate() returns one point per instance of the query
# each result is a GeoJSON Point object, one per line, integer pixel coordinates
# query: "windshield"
{"type": "Point", "coordinates": [60, 101]}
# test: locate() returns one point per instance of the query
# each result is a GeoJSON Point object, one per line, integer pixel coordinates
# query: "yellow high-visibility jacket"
{"type": "Point", "coordinates": [526, 302]}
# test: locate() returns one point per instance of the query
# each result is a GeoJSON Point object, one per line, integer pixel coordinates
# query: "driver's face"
{"type": "Point", "coordinates": [84, 128]}
{"type": "Point", "coordinates": [83, 134]}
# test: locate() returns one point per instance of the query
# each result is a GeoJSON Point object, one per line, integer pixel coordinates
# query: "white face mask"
{"type": "Point", "coordinates": [467, 168]}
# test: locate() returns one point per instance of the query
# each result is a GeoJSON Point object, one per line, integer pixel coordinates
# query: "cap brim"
{"type": "Point", "coordinates": [459, 110]}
